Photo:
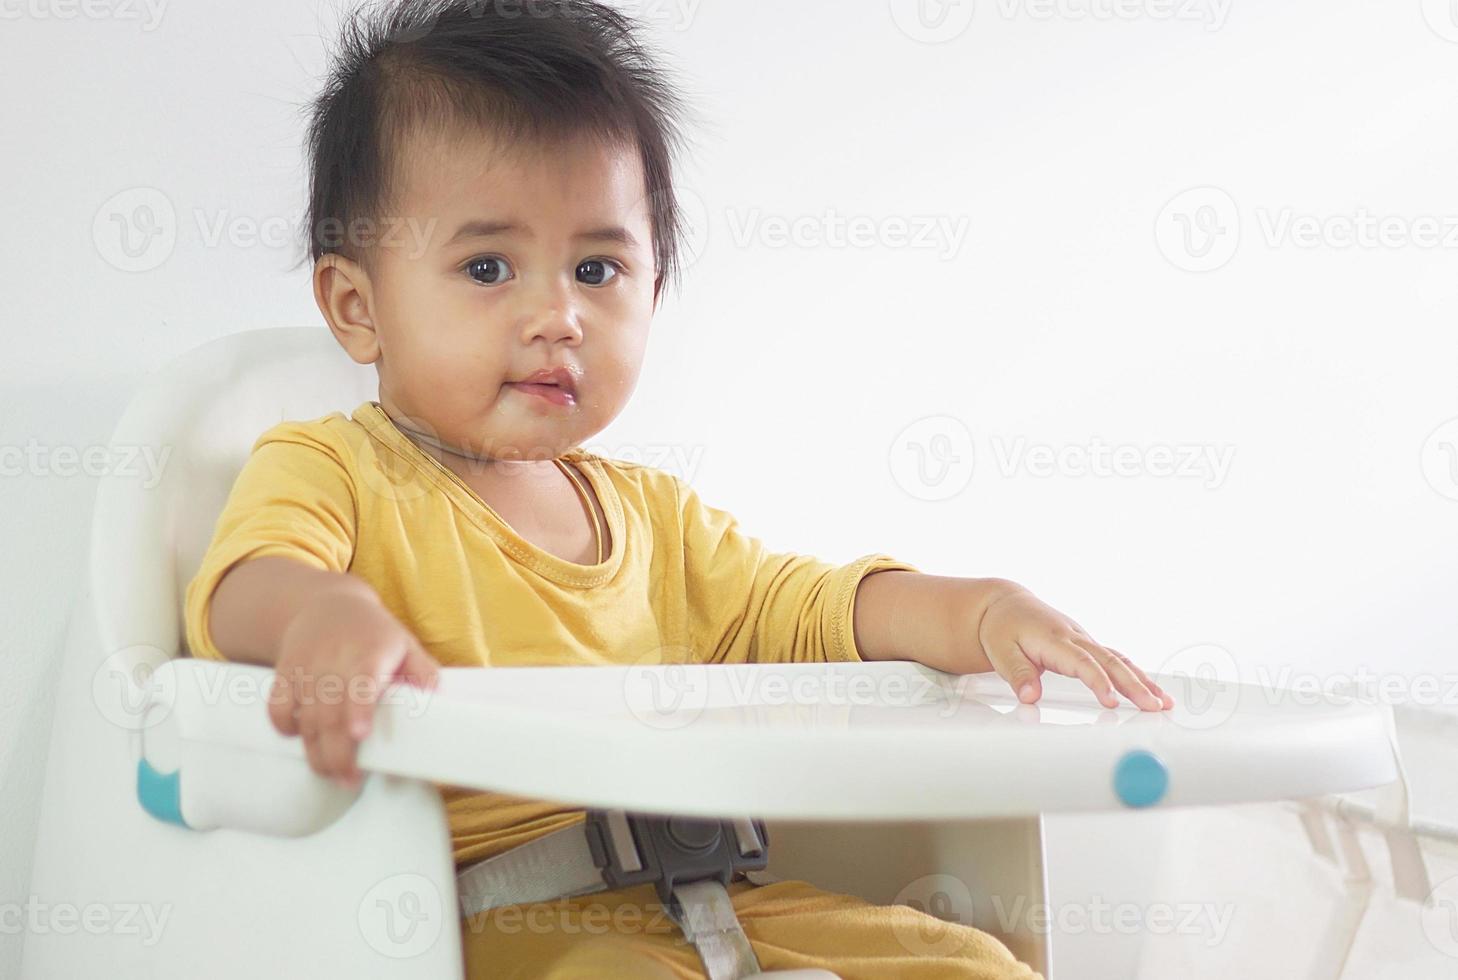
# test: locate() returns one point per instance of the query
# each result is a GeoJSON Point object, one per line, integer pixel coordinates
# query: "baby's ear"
{"type": "Point", "coordinates": [342, 292]}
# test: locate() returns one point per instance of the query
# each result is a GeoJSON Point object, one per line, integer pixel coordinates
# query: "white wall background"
{"type": "Point", "coordinates": [1059, 136]}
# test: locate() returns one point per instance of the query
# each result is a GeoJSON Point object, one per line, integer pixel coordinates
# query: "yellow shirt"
{"type": "Point", "coordinates": [682, 582]}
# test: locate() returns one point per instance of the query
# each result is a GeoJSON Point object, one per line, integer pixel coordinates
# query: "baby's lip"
{"type": "Point", "coordinates": [561, 376]}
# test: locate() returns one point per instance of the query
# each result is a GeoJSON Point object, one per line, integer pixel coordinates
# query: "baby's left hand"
{"type": "Point", "coordinates": [1022, 637]}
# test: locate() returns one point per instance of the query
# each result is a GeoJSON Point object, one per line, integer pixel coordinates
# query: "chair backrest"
{"type": "Point", "coordinates": [199, 417]}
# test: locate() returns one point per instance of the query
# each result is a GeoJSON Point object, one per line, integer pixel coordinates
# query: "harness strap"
{"type": "Point", "coordinates": [563, 864]}
{"type": "Point", "coordinates": [708, 921]}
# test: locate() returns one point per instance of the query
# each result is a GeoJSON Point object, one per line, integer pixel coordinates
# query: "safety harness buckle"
{"type": "Point", "coordinates": [632, 848]}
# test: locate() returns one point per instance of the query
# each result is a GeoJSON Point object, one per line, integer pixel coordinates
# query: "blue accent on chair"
{"type": "Point", "coordinates": [160, 793]}
{"type": "Point", "coordinates": [1140, 778]}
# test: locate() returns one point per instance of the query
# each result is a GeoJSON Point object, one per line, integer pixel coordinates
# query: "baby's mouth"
{"type": "Point", "coordinates": [556, 394]}
{"type": "Point", "coordinates": [557, 385]}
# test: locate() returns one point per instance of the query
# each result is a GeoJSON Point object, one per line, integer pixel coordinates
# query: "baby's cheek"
{"type": "Point", "coordinates": [464, 370]}
{"type": "Point", "coordinates": [627, 355]}
{"type": "Point", "coordinates": [614, 385]}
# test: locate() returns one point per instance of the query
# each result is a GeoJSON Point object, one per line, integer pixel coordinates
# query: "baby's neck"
{"type": "Point", "coordinates": [505, 476]}
{"type": "Point", "coordinates": [470, 466]}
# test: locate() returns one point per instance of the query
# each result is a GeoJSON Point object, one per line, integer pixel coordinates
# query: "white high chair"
{"type": "Point", "coordinates": [193, 840]}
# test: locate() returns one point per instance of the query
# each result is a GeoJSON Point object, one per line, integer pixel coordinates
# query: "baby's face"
{"type": "Point", "coordinates": [463, 307]}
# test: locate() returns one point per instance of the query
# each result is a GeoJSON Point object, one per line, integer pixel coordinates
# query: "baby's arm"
{"type": "Point", "coordinates": [972, 625]}
{"type": "Point", "coordinates": [334, 645]}
{"type": "Point", "coordinates": [257, 599]}
{"type": "Point", "coordinates": [274, 589]}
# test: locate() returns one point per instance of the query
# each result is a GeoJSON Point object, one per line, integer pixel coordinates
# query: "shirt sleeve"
{"type": "Point", "coordinates": [747, 604]}
{"type": "Point", "coordinates": [294, 497]}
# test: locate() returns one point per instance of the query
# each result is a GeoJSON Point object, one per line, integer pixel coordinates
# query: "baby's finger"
{"type": "Point", "coordinates": [1063, 656]}
{"type": "Point", "coordinates": [313, 751]}
{"type": "Point", "coordinates": [1164, 698]}
{"type": "Point", "coordinates": [420, 668]}
{"type": "Point", "coordinates": [1121, 672]}
{"type": "Point", "coordinates": [282, 705]}
{"type": "Point", "coordinates": [338, 750]}
{"type": "Point", "coordinates": [337, 692]}
{"type": "Point", "coordinates": [1019, 671]}
{"type": "Point", "coordinates": [357, 714]}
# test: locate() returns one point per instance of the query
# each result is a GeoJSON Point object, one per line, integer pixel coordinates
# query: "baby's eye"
{"type": "Point", "coordinates": [494, 270]}
{"type": "Point", "coordinates": [597, 272]}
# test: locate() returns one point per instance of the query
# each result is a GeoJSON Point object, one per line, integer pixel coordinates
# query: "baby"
{"type": "Point", "coordinates": [493, 223]}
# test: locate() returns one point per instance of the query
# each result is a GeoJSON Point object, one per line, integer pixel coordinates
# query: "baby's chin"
{"type": "Point", "coordinates": [526, 427]}
{"type": "Point", "coordinates": [538, 442]}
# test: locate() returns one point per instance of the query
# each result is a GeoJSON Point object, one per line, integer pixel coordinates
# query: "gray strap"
{"type": "Point", "coordinates": [559, 865]}
{"type": "Point", "coordinates": [706, 915]}
{"type": "Point", "coordinates": [555, 865]}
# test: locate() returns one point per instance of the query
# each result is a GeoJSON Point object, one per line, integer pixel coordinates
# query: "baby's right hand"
{"type": "Point", "coordinates": [335, 658]}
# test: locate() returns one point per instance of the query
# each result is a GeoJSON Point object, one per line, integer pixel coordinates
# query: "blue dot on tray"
{"type": "Point", "coordinates": [1140, 778]}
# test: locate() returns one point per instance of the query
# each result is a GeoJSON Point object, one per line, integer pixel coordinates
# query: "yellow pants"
{"type": "Point", "coordinates": [627, 933]}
